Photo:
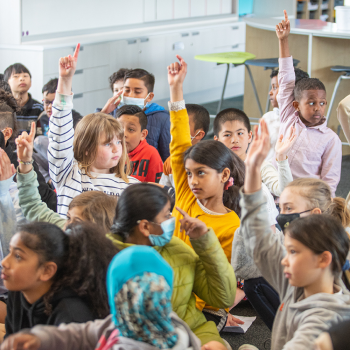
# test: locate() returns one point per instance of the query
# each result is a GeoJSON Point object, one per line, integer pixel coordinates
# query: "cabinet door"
{"type": "Point", "coordinates": [213, 7]}
{"type": "Point", "coordinates": [181, 9]}
{"type": "Point", "coordinates": [152, 57]}
{"type": "Point", "coordinates": [86, 102]}
{"type": "Point", "coordinates": [150, 12]}
{"type": "Point", "coordinates": [198, 8]}
{"type": "Point", "coordinates": [123, 54]}
{"type": "Point", "coordinates": [165, 10]}
{"type": "Point", "coordinates": [90, 79]}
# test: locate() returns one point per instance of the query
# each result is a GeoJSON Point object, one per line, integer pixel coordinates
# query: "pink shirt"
{"type": "Point", "coordinates": [317, 151]}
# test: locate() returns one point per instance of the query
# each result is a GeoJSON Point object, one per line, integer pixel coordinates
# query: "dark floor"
{"type": "Point", "coordinates": [258, 334]}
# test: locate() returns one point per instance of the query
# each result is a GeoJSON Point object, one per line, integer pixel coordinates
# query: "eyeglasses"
{"type": "Point", "coordinates": [47, 103]}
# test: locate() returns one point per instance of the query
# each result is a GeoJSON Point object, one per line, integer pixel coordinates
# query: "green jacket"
{"type": "Point", "coordinates": [30, 201]}
{"type": "Point", "coordinates": [204, 271]}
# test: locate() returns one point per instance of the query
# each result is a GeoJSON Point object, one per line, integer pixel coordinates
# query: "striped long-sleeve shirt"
{"type": "Point", "coordinates": [68, 179]}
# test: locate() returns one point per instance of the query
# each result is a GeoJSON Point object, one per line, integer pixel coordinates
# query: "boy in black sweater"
{"type": "Point", "coordinates": [20, 81]}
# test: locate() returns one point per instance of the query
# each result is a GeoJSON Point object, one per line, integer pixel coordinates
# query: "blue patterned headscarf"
{"type": "Point", "coordinates": [143, 306]}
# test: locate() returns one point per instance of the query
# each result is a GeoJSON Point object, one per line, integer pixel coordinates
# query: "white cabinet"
{"type": "Point", "coordinates": [164, 10]}
{"type": "Point", "coordinates": [181, 9]}
{"type": "Point", "coordinates": [198, 8]}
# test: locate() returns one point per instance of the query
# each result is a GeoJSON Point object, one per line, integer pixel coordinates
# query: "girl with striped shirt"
{"type": "Point", "coordinates": [95, 157]}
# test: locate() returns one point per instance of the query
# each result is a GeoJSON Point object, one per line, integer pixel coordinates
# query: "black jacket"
{"type": "Point", "coordinates": [67, 307]}
{"type": "Point", "coordinates": [46, 193]}
{"type": "Point", "coordinates": [29, 113]}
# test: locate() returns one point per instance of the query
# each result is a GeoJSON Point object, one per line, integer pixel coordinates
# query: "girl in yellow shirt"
{"type": "Point", "coordinates": [207, 176]}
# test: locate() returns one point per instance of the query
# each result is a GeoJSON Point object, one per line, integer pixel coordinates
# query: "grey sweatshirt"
{"type": "Point", "coordinates": [85, 336]}
{"type": "Point", "coordinates": [298, 322]}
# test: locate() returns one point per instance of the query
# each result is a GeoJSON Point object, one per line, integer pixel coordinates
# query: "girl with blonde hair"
{"type": "Point", "coordinates": [92, 206]}
{"type": "Point", "coordinates": [95, 157]}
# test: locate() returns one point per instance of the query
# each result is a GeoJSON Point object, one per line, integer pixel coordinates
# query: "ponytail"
{"type": "Point", "coordinates": [338, 208]}
{"type": "Point", "coordinates": [319, 195]}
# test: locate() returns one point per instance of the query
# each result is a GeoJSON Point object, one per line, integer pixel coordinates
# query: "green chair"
{"type": "Point", "coordinates": [234, 58]}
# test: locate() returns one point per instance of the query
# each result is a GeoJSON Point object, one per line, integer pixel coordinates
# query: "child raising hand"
{"type": "Point", "coordinates": [95, 158]}
{"type": "Point", "coordinates": [318, 151]}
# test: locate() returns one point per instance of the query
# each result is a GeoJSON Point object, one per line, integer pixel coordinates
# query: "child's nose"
{"type": "Point", "coordinates": [4, 262]}
{"type": "Point", "coordinates": [284, 261]}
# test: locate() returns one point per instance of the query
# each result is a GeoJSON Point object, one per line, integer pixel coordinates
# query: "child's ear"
{"type": "Point", "coordinates": [296, 105]}
{"type": "Point", "coordinates": [316, 211]}
{"type": "Point", "coordinates": [200, 134]}
{"type": "Point", "coordinates": [144, 134]}
{"type": "Point", "coordinates": [216, 138]}
{"type": "Point", "coordinates": [150, 97]}
{"type": "Point", "coordinates": [144, 227]}
{"type": "Point", "coordinates": [225, 175]}
{"type": "Point", "coordinates": [49, 270]}
{"type": "Point", "coordinates": [325, 259]}
{"type": "Point", "coordinates": [250, 136]}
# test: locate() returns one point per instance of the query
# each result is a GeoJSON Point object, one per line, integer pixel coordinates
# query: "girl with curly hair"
{"type": "Point", "coordinates": [55, 277]}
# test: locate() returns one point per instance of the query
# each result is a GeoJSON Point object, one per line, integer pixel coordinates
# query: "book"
{"type": "Point", "coordinates": [241, 328]}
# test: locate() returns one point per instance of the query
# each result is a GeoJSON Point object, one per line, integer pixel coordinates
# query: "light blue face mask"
{"type": "Point", "coordinates": [139, 102]}
{"type": "Point", "coordinates": [168, 227]}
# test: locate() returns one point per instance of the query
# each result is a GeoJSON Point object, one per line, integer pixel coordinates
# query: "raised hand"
{"type": "Point", "coordinates": [7, 169]}
{"type": "Point", "coordinates": [21, 341]}
{"type": "Point", "coordinates": [283, 28]}
{"type": "Point", "coordinates": [193, 227]}
{"type": "Point", "coordinates": [177, 72]}
{"type": "Point", "coordinates": [24, 143]}
{"type": "Point", "coordinates": [260, 146]}
{"type": "Point", "coordinates": [284, 145]}
{"type": "Point", "coordinates": [68, 64]}
{"type": "Point", "coordinates": [112, 103]}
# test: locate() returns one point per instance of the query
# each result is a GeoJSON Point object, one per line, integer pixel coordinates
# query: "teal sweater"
{"type": "Point", "coordinates": [30, 201]}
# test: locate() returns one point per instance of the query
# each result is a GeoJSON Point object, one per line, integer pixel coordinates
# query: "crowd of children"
{"type": "Point", "coordinates": [129, 229]}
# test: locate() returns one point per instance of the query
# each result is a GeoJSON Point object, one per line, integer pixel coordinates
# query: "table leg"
{"type": "Point", "coordinates": [224, 88]}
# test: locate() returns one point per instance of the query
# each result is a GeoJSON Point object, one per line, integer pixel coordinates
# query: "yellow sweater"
{"type": "Point", "coordinates": [225, 225]}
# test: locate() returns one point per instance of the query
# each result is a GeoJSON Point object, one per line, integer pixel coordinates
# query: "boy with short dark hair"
{"type": "Point", "coordinates": [232, 128]}
{"type": "Point", "coordinates": [272, 118]}
{"type": "Point", "coordinates": [19, 79]}
{"type": "Point", "coordinates": [318, 150]}
{"type": "Point", "coordinates": [138, 89]}
{"type": "Point", "coordinates": [145, 161]}
{"type": "Point", "coordinates": [199, 120]}
{"type": "Point", "coordinates": [49, 93]}
{"type": "Point", "coordinates": [116, 80]}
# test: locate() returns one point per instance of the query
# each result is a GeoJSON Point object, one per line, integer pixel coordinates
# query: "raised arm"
{"type": "Point", "coordinates": [8, 221]}
{"type": "Point", "coordinates": [260, 242]}
{"type": "Point", "coordinates": [180, 128]}
{"type": "Point", "coordinates": [215, 281]}
{"type": "Point", "coordinates": [277, 180]}
{"type": "Point", "coordinates": [286, 74]}
{"type": "Point", "coordinates": [61, 132]}
{"type": "Point", "coordinates": [29, 198]}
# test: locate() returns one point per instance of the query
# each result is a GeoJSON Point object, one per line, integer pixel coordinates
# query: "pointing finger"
{"type": "Point", "coordinates": [76, 52]}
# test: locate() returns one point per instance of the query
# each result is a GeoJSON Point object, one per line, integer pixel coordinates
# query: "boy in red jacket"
{"type": "Point", "coordinates": [146, 164]}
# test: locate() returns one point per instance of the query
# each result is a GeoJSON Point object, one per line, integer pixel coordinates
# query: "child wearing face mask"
{"type": "Point", "coordinates": [305, 271]}
{"type": "Point", "coordinates": [143, 218]}
{"type": "Point", "coordinates": [318, 151]}
{"type": "Point", "coordinates": [300, 198]}
{"type": "Point", "coordinates": [94, 157]}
